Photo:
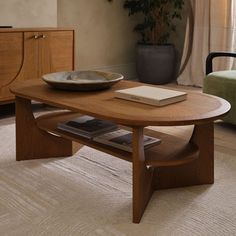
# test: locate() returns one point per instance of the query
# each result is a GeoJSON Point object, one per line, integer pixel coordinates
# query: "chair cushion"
{"type": "Point", "coordinates": [223, 84]}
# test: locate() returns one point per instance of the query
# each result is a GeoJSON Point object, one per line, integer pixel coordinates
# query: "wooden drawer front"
{"type": "Point", "coordinates": [56, 51]}
{"type": "Point", "coordinates": [11, 56]}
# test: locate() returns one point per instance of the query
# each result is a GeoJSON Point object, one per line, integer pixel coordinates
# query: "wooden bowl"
{"type": "Point", "coordinates": [82, 80]}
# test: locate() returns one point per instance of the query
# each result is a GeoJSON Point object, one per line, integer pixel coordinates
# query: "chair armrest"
{"type": "Point", "coordinates": [212, 55]}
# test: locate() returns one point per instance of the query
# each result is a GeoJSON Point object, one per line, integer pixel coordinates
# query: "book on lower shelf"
{"type": "Point", "coordinates": [122, 139]}
{"type": "Point", "coordinates": [87, 126]}
{"type": "Point", "coordinates": [151, 95]}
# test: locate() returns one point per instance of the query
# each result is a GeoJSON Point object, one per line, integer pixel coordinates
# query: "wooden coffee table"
{"type": "Point", "coordinates": [173, 163]}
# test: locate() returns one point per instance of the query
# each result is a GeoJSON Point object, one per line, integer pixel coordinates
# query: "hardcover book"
{"type": "Point", "coordinates": [87, 126]}
{"type": "Point", "coordinates": [123, 139]}
{"type": "Point", "coordinates": [151, 95]}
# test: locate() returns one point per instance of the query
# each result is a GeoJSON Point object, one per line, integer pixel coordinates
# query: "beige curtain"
{"type": "Point", "coordinates": [213, 29]}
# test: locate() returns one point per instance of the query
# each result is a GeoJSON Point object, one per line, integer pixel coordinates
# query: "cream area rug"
{"type": "Point", "coordinates": [90, 193]}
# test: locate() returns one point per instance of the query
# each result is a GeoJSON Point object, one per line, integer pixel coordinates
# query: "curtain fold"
{"type": "Point", "coordinates": [214, 23]}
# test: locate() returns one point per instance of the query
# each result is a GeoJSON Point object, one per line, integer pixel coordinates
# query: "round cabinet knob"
{"type": "Point", "coordinates": [35, 36]}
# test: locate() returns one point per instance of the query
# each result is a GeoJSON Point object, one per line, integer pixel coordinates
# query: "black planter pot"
{"type": "Point", "coordinates": [156, 64]}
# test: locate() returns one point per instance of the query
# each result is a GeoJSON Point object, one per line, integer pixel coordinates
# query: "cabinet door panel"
{"type": "Point", "coordinates": [56, 51]}
{"type": "Point", "coordinates": [11, 56]}
{"type": "Point", "coordinates": [29, 67]}
{"type": "Point", "coordinates": [31, 53]}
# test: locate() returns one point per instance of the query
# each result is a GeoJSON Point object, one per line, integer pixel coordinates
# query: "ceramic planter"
{"type": "Point", "coordinates": [156, 64]}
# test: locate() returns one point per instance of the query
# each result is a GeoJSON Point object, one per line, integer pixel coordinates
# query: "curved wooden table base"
{"type": "Point", "coordinates": [200, 171]}
{"type": "Point", "coordinates": [32, 142]}
{"type": "Point", "coordinates": [142, 177]}
{"type": "Point", "coordinates": [146, 180]}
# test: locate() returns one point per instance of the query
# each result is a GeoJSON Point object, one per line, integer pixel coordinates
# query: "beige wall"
{"type": "Point", "coordinates": [104, 34]}
{"type": "Point", "coordinates": [28, 13]}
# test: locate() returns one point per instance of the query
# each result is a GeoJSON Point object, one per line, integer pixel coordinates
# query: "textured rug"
{"type": "Point", "coordinates": [90, 194]}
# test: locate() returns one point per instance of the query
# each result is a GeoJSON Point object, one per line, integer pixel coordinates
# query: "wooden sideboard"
{"type": "Point", "coordinates": [28, 53]}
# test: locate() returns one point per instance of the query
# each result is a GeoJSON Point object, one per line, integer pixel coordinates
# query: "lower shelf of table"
{"type": "Point", "coordinates": [172, 151]}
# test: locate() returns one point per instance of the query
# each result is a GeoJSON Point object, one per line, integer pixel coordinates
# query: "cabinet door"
{"type": "Point", "coordinates": [11, 60]}
{"type": "Point", "coordinates": [30, 68]}
{"type": "Point", "coordinates": [56, 51]}
{"type": "Point", "coordinates": [11, 57]}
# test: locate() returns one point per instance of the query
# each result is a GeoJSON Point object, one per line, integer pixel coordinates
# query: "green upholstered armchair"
{"type": "Point", "coordinates": [221, 84]}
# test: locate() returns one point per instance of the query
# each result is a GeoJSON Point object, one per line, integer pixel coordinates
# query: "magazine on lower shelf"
{"type": "Point", "coordinates": [122, 139]}
{"type": "Point", "coordinates": [87, 126]}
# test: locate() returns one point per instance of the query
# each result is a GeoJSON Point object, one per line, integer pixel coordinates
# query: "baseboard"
{"type": "Point", "coordinates": [128, 70]}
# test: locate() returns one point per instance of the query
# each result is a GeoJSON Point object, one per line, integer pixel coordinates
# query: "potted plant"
{"type": "Point", "coordinates": [156, 58]}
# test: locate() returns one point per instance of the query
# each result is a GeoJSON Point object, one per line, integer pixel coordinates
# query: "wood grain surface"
{"type": "Point", "coordinates": [198, 108]}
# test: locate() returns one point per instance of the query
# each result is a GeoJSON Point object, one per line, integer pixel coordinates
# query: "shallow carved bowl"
{"type": "Point", "coordinates": [82, 80]}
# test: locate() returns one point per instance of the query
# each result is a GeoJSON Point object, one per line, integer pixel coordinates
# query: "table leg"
{"type": "Point", "coordinates": [32, 142]}
{"type": "Point", "coordinates": [200, 171]}
{"type": "Point", "coordinates": [142, 177]}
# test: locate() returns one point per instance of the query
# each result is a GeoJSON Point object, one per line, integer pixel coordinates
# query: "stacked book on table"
{"type": "Point", "coordinates": [105, 132]}
{"type": "Point", "coordinates": [151, 95]}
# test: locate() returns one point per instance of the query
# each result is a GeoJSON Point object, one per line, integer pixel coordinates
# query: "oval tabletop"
{"type": "Point", "coordinates": [197, 108]}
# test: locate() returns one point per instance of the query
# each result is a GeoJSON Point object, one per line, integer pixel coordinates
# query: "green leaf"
{"type": "Point", "coordinates": [157, 17]}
